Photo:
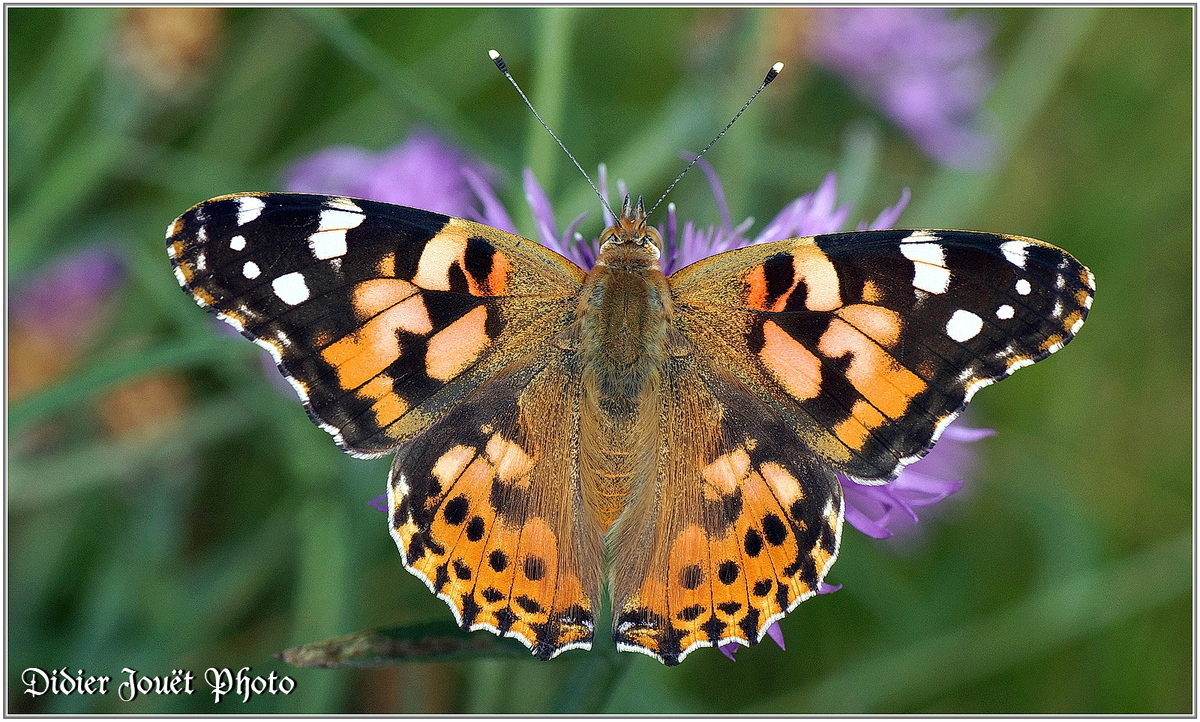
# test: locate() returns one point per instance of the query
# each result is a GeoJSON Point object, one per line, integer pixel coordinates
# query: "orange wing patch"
{"type": "Point", "coordinates": [770, 286]}
{"type": "Point", "coordinates": [875, 374]}
{"type": "Point", "coordinates": [726, 587]}
{"type": "Point", "coordinates": [457, 346]}
{"type": "Point", "coordinates": [793, 366]}
{"type": "Point", "coordinates": [445, 257]}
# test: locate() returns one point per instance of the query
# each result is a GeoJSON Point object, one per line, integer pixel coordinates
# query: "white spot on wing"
{"type": "Point", "coordinates": [931, 278]}
{"type": "Point", "coordinates": [251, 270]}
{"type": "Point", "coordinates": [291, 288]}
{"type": "Point", "coordinates": [919, 237]}
{"type": "Point", "coordinates": [329, 241]}
{"type": "Point", "coordinates": [929, 261]}
{"type": "Point", "coordinates": [337, 218]}
{"type": "Point", "coordinates": [1023, 287]}
{"type": "Point", "coordinates": [237, 243]}
{"type": "Point", "coordinates": [1076, 326]}
{"type": "Point", "coordinates": [963, 326]}
{"type": "Point", "coordinates": [1014, 251]}
{"type": "Point", "coordinates": [328, 244]}
{"type": "Point", "coordinates": [1005, 312]}
{"type": "Point", "coordinates": [249, 208]}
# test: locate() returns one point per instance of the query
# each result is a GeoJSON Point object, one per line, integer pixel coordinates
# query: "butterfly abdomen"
{"type": "Point", "coordinates": [624, 319]}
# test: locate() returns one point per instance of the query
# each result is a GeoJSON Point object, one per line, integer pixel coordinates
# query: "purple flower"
{"type": "Point", "coordinates": [811, 214]}
{"type": "Point", "coordinates": [58, 313]}
{"type": "Point", "coordinates": [422, 172]}
{"type": "Point", "coordinates": [568, 243]}
{"type": "Point", "coordinates": [66, 299]}
{"type": "Point", "coordinates": [924, 67]}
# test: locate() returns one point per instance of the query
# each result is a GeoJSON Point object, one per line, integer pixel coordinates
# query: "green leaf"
{"type": "Point", "coordinates": [41, 108]}
{"type": "Point", "coordinates": [555, 29]}
{"type": "Point", "coordinates": [1072, 609]}
{"type": "Point", "coordinates": [404, 87]}
{"type": "Point", "coordinates": [81, 470]}
{"type": "Point", "coordinates": [106, 373]}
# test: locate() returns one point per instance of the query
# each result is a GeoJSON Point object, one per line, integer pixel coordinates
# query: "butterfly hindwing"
{"type": "Point", "coordinates": [868, 344]}
{"type": "Point", "coordinates": [383, 317]}
{"type": "Point", "coordinates": [746, 525]}
{"type": "Point", "coordinates": [486, 509]}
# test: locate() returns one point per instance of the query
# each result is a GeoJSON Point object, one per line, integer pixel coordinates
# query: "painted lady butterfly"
{"type": "Point", "coordinates": [675, 438]}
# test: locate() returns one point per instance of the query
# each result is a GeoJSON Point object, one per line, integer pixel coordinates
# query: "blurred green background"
{"type": "Point", "coordinates": [169, 509]}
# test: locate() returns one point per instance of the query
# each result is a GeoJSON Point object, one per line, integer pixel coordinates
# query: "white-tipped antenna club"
{"type": "Point", "coordinates": [771, 75]}
{"type": "Point", "coordinates": [503, 67]}
{"type": "Point", "coordinates": [499, 61]}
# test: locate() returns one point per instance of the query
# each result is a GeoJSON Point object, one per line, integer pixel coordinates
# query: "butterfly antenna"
{"type": "Point", "coordinates": [771, 75]}
{"type": "Point", "coordinates": [499, 61]}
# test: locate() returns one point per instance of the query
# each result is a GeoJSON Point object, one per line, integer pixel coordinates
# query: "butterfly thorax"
{"type": "Point", "coordinates": [624, 326]}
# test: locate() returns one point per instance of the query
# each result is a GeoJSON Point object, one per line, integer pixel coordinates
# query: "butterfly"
{"type": "Point", "coordinates": [670, 443]}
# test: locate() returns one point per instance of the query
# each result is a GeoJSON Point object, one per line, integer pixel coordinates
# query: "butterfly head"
{"type": "Point", "coordinates": [630, 243]}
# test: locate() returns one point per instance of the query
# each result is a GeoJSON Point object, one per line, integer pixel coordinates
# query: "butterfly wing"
{"type": "Point", "coordinates": [382, 317]}
{"type": "Point", "coordinates": [741, 524]}
{"type": "Point", "coordinates": [486, 506]}
{"type": "Point", "coordinates": [868, 344]}
{"type": "Point", "coordinates": [847, 352]}
{"type": "Point", "coordinates": [407, 329]}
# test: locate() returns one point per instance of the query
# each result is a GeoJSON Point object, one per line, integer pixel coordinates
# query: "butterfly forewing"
{"type": "Point", "coordinates": [383, 317]}
{"type": "Point", "coordinates": [870, 343]}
